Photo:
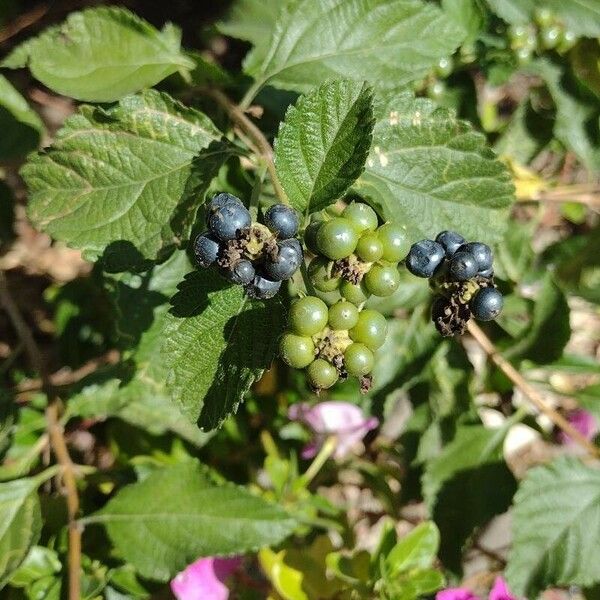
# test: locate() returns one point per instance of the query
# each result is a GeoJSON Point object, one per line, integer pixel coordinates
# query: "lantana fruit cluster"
{"type": "Point", "coordinates": [462, 276]}
{"type": "Point", "coordinates": [258, 256]}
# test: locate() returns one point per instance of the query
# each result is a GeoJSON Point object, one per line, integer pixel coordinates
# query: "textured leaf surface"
{"type": "Point", "coordinates": [217, 343]}
{"type": "Point", "coordinates": [21, 127]}
{"type": "Point", "coordinates": [556, 528]}
{"type": "Point", "coordinates": [20, 524]}
{"type": "Point", "coordinates": [177, 514]}
{"type": "Point", "coordinates": [123, 176]}
{"type": "Point", "coordinates": [323, 143]}
{"type": "Point", "coordinates": [101, 55]}
{"type": "Point", "coordinates": [386, 42]}
{"type": "Point", "coordinates": [431, 171]}
{"type": "Point", "coordinates": [513, 11]}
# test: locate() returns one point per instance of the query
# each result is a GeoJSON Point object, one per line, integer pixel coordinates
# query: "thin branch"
{"type": "Point", "coordinates": [529, 391]}
{"type": "Point", "coordinates": [236, 114]}
{"type": "Point", "coordinates": [55, 433]}
{"type": "Point", "coordinates": [588, 194]}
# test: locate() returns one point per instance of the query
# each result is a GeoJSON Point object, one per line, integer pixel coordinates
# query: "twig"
{"type": "Point", "coordinates": [588, 194]}
{"type": "Point", "coordinates": [236, 114]}
{"type": "Point", "coordinates": [23, 21]}
{"type": "Point", "coordinates": [55, 433]}
{"type": "Point", "coordinates": [529, 391]}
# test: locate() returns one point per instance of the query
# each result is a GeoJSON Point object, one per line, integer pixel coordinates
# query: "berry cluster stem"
{"type": "Point", "coordinates": [55, 434]}
{"type": "Point", "coordinates": [237, 115]}
{"type": "Point", "coordinates": [529, 391]}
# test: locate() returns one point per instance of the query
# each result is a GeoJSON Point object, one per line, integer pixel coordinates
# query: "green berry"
{"type": "Point", "coordinates": [550, 37]}
{"type": "Point", "coordinates": [382, 280]}
{"type": "Point", "coordinates": [337, 238]}
{"type": "Point", "coordinates": [370, 330]}
{"type": "Point", "coordinates": [524, 55]}
{"type": "Point", "coordinates": [358, 360]}
{"type": "Point", "coordinates": [296, 351]}
{"type": "Point", "coordinates": [362, 216]}
{"type": "Point", "coordinates": [444, 67]}
{"type": "Point", "coordinates": [568, 39]}
{"type": "Point", "coordinates": [436, 90]}
{"type": "Point", "coordinates": [395, 242]}
{"type": "Point", "coordinates": [321, 374]}
{"type": "Point", "coordinates": [343, 315]}
{"type": "Point", "coordinates": [369, 247]}
{"type": "Point", "coordinates": [310, 235]}
{"type": "Point", "coordinates": [319, 271]}
{"type": "Point", "coordinates": [308, 315]}
{"type": "Point", "coordinates": [543, 16]}
{"type": "Point", "coordinates": [355, 293]}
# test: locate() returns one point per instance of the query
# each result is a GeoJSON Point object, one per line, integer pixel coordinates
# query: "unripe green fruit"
{"type": "Point", "coordinates": [444, 67]}
{"type": "Point", "coordinates": [308, 315]}
{"type": "Point", "coordinates": [395, 241]}
{"type": "Point", "coordinates": [370, 330]}
{"type": "Point", "coordinates": [319, 273]}
{"type": "Point", "coordinates": [358, 360]}
{"type": "Point", "coordinates": [362, 216]}
{"type": "Point", "coordinates": [321, 374]}
{"type": "Point", "coordinates": [337, 238]}
{"type": "Point", "coordinates": [296, 351]}
{"type": "Point", "coordinates": [369, 247]}
{"type": "Point", "coordinates": [382, 280]}
{"type": "Point", "coordinates": [343, 315]}
{"type": "Point", "coordinates": [355, 293]}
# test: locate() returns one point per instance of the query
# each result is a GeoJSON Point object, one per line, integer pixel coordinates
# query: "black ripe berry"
{"type": "Point", "coordinates": [219, 201]}
{"type": "Point", "coordinates": [451, 241]}
{"type": "Point", "coordinates": [226, 221]}
{"type": "Point", "coordinates": [462, 266]}
{"type": "Point", "coordinates": [482, 254]}
{"type": "Point", "coordinates": [206, 249]}
{"type": "Point", "coordinates": [287, 261]}
{"type": "Point", "coordinates": [486, 304]}
{"type": "Point", "coordinates": [424, 258]}
{"type": "Point", "coordinates": [242, 273]}
{"type": "Point", "coordinates": [282, 220]}
{"type": "Point", "coordinates": [262, 288]}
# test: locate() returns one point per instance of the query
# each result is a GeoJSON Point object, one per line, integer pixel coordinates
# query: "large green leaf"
{"type": "Point", "coordinates": [431, 171]}
{"type": "Point", "coordinates": [386, 42]}
{"type": "Point", "coordinates": [556, 528]}
{"type": "Point", "coordinates": [323, 143]}
{"type": "Point", "coordinates": [251, 20]}
{"type": "Point", "coordinates": [101, 54]}
{"type": "Point", "coordinates": [217, 343]}
{"type": "Point", "coordinates": [177, 514]}
{"type": "Point", "coordinates": [20, 524]}
{"type": "Point", "coordinates": [21, 127]}
{"type": "Point", "coordinates": [127, 176]}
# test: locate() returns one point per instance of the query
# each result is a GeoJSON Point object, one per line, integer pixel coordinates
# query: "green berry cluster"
{"type": "Point", "coordinates": [333, 342]}
{"type": "Point", "coordinates": [354, 256]}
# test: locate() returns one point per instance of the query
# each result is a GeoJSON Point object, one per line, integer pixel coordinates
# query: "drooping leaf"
{"type": "Point", "coordinates": [250, 20]}
{"type": "Point", "coordinates": [20, 125]}
{"type": "Point", "coordinates": [217, 343]}
{"type": "Point", "coordinates": [323, 143]}
{"type": "Point", "coordinates": [124, 177]}
{"type": "Point", "coordinates": [556, 528]}
{"type": "Point", "coordinates": [386, 42]}
{"type": "Point", "coordinates": [20, 524]}
{"type": "Point", "coordinates": [431, 171]}
{"type": "Point", "coordinates": [177, 514]}
{"type": "Point", "coordinates": [101, 54]}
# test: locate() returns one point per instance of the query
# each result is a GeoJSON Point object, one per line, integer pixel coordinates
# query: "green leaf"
{"type": "Point", "coordinates": [430, 171]}
{"type": "Point", "coordinates": [556, 528]}
{"type": "Point", "coordinates": [416, 550]}
{"type": "Point", "coordinates": [177, 514]}
{"type": "Point", "coordinates": [582, 17]}
{"type": "Point", "coordinates": [125, 177]}
{"type": "Point", "coordinates": [513, 11]}
{"type": "Point", "coordinates": [585, 60]}
{"type": "Point", "coordinates": [40, 562]}
{"type": "Point", "coordinates": [21, 127]}
{"type": "Point", "coordinates": [20, 524]}
{"type": "Point", "coordinates": [101, 54]}
{"type": "Point", "coordinates": [468, 15]}
{"type": "Point", "coordinates": [217, 343]}
{"type": "Point", "coordinates": [323, 143]}
{"type": "Point", "coordinates": [589, 398]}
{"type": "Point", "coordinates": [250, 20]}
{"type": "Point", "coordinates": [386, 42]}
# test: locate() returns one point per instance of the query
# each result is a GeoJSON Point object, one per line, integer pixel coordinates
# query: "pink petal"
{"type": "Point", "coordinates": [346, 440]}
{"type": "Point", "coordinates": [582, 420]}
{"type": "Point", "coordinates": [204, 579]}
{"type": "Point", "coordinates": [500, 590]}
{"type": "Point", "coordinates": [456, 594]}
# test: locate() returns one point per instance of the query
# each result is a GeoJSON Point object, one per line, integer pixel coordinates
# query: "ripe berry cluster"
{"type": "Point", "coordinates": [461, 274]}
{"type": "Point", "coordinates": [247, 253]}
{"type": "Point", "coordinates": [353, 255]}
{"type": "Point", "coordinates": [332, 343]}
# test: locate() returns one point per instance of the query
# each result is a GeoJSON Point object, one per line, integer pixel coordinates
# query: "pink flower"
{"type": "Point", "coordinates": [346, 421]}
{"type": "Point", "coordinates": [584, 422]}
{"type": "Point", "coordinates": [500, 591]}
{"type": "Point", "coordinates": [204, 579]}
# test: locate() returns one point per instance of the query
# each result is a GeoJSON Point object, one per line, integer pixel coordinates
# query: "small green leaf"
{"type": "Point", "coordinates": [582, 17]}
{"type": "Point", "coordinates": [177, 514]}
{"type": "Point", "coordinates": [20, 524]}
{"type": "Point", "coordinates": [127, 177]}
{"type": "Point", "coordinates": [250, 20]}
{"type": "Point", "coordinates": [101, 54]}
{"type": "Point", "coordinates": [468, 14]}
{"type": "Point", "coordinates": [431, 171]}
{"type": "Point", "coordinates": [386, 42]}
{"type": "Point", "coordinates": [323, 143]}
{"type": "Point", "coordinates": [20, 125]}
{"type": "Point", "coordinates": [556, 528]}
{"type": "Point", "coordinates": [40, 562]}
{"type": "Point", "coordinates": [416, 550]}
{"type": "Point", "coordinates": [513, 11]}
{"type": "Point", "coordinates": [217, 343]}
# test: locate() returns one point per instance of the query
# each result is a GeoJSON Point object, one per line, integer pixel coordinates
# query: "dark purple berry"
{"type": "Point", "coordinates": [282, 220]}
{"type": "Point", "coordinates": [424, 258]}
{"type": "Point", "coordinates": [227, 221]}
{"type": "Point", "coordinates": [481, 253]}
{"type": "Point", "coordinates": [287, 261]}
{"type": "Point", "coordinates": [462, 266]}
{"type": "Point", "coordinates": [219, 201]}
{"type": "Point", "coordinates": [451, 241]}
{"type": "Point", "coordinates": [242, 273]}
{"type": "Point", "coordinates": [206, 249]}
{"type": "Point", "coordinates": [487, 273]}
{"type": "Point", "coordinates": [486, 304]}
{"type": "Point", "coordinates": [262, 288]}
